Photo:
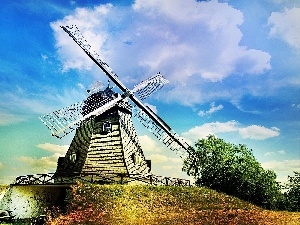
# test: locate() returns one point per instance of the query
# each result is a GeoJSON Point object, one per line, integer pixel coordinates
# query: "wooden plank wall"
{"type": "Point", "coordinates": [105, 154]}
{"type": "Point", "coordinates": [133, 154]}
{"type": "Point", "coordinates": [95, 151]}
{"type": "Point", "coordinates": [70, 165]}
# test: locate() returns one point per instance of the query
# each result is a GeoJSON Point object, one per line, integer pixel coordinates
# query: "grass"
{"type": "Point", "coordinates": [140, 204]}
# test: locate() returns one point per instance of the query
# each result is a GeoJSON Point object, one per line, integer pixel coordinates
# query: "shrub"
{"type": "Point", "coordinates": [233, 169]}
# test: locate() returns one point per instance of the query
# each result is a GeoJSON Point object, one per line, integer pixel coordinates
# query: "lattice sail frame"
{"type": "Point", "coordinates": [65, 120]}
{"type": "Point", "coordinates": [147, 87]}
{"type": "Point", "coordinates": [170, 139]}
{"type": "Point", "coordinates": [143, 89]}
{"type": "Point", "coordinates": [148, 118]}
{"type": "Point", "coordinates": [76, 35]}
{"type": "Point", "coordinates": [59, 119]}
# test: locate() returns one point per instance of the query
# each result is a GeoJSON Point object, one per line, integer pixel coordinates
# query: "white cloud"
{"type": "Point", "coordinates": [148, 144]}
{"type": "Point", "coordinates": [285, 166]}
{"type": "Point", "coordinates": [43, 6]}
{"type": "Point", "coordinates": [152, 107]}
{"type": "Point", "coordinates": [203, 51]}
{"type": "Point", "coordinates": [164, 162]}
{"type": "Point", "coordinates": [44, 164]}
{"type": "Point", "coordinates": [61, 149]}
{"type": "Point", "coordinates": [255, 132]}
{"type": "Point", "coordinates": [269, 153]}
{"type": "Point", "coordinates": [178, 38]}
{"type": "Point", "coordinates": [258, 132]}
{"type": "Point", "coordinates": [34, 103]}
{"type": "Point", "coordinates": [158, 158]}
{"type": "Point", "coordinates": [204, 130]}
{"type": "Point", "coordinates": [285, 25]}
{"type": "Point", "coordinates": [44, 57]}
{"type": "Point", "coordinates": [213, 109]}
{"type": "Point", "coordinates": [81, 86]}
{"type": "Point", "coordinates": [7, 118]}
{"type": "Point", "coordinates": [282, 152]}
{"type": "Point", "coordinates": [40, 165]}
{"type": "Point", "coordinates": [296, 106]}
{"type": "Point", "coordinates": [91, 22]}
{"type": "Point", "coordinates": [168, 167]}
{"type": "Point", "coordinates": [175, 160]}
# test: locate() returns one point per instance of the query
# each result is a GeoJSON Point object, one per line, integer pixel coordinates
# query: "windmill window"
{"type": "Point", "coordinates": [137, 159]}
{"type": "Point", "coordinates": [73, 157]}
{"type": "Point", "coordinates": [106, 127]}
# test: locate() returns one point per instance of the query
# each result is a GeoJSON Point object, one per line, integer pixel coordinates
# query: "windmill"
{"type": "Point", "coordinates": [105, 142]}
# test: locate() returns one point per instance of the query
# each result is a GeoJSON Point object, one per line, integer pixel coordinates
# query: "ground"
{"type": "Point", "coordinates": [141, 204]}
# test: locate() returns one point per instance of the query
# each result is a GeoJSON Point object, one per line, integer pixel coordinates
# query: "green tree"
{"type": "Point", "coordinates": [293, 193]}
{"type": "Point", "coordinates": [233, 169]}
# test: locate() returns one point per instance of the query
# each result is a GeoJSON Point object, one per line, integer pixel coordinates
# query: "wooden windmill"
{"type": "Point", "coordinates": [105, 142]}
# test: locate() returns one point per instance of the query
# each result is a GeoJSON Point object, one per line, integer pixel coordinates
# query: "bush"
{"type": "Point", "coordinates": [233, 169]}
{"type": "Point", "coordinates": [293, 193]}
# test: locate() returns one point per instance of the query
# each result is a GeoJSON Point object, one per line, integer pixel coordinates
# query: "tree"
{"type": "Point", "coordinates": [293, 193]}
{"type": "Point", "coordinates": [233, 169]}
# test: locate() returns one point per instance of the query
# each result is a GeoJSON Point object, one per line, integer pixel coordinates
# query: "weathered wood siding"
{"type": "Point", "coordinates": [75, 157]}
{"type": "Point", "coordinates": [105, 153]}
{"type": "Point", "coordinates": [96, 151]}
{"type": "Point", "coordinates": [133, 154]}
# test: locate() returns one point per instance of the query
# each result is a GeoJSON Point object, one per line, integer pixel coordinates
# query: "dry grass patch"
{"type": "Point", "coordinates": [126, 204]}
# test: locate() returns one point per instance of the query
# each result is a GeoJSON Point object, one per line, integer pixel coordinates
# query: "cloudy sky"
{"type": "Point", "coordinates": [233, 68]}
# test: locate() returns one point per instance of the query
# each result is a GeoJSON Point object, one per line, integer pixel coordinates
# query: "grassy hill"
{"type": "Point", "coordinates": [139, 204]}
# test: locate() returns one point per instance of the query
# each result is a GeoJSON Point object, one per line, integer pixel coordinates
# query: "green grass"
{"type": "Point", "coordinates": [140, 204]}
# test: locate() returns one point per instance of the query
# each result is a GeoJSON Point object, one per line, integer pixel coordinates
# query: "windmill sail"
{"type": "Point", "coordinates": [147, 117]}
{"type": "Point", "coordinates": [65, 120]}
{"type": "Point", "coordinates": [60, 119]}
{"type": "Point", "coordinates": [169, 138]}
{"type": "Point", "coordinates": [147, 87]}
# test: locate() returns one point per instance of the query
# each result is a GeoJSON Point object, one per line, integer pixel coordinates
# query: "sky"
{"type": "Point", "coordinates": [233, 70]}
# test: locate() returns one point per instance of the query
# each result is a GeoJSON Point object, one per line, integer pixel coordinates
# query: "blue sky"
{"type": "Point", "coordinates": [233, 68]}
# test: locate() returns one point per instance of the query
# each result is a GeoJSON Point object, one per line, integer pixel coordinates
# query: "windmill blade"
{"type": "Point", "coordinates": [64, 121]}
{"type": "Point", "coordinates": [149, 86]}
{"type": "Point", "coordinates": [168, 137]}
{"type": "Point", "coordinates": [146, 116]}
{"type": "Point", "coordinates": [75, 34]}
{"type": "Point", "coordinates": [144, 89]}
{"type": "Point", "coordinates": [61, 118]}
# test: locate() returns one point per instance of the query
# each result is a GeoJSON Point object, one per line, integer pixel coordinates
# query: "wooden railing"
{"type": "Point", "coordinates": [35, 179]}
{"type": "Point", "coordinates": [51, 179]}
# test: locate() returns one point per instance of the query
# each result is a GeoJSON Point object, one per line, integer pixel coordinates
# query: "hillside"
{"type": "Point", "coordinates": [138, 204]}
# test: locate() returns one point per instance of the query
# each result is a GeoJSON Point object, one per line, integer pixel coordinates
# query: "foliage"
{"type": "Point", "coordinates": [141, 204]}
{"type": "Point", "coordinates": [293, 193]}
{"type": "Point", "coordinates": [233, 169]}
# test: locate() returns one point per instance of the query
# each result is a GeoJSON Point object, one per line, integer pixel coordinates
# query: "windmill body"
{"type": "Point", "coordinates": [105, 145]}
{"type": "Point", "coordinates": [105, 142]}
